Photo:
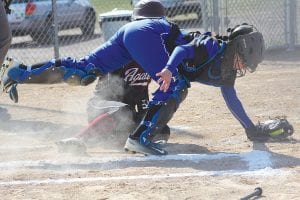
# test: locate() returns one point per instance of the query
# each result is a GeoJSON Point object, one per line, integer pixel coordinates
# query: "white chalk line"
{"type": "Point", "coordinates": [255, 160]}
{"type": "Point", "coordinates": [13, 148]}
{"type": "Point", "coordinates": [259, 164]}
{"type": "Point", "coordinates": [259, 173]}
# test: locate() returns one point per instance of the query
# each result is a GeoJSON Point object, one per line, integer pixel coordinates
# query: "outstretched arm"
{"type": "Point", "coordinates": [235, 106]}
{"type": "Point", "coordinates": [277, 128]}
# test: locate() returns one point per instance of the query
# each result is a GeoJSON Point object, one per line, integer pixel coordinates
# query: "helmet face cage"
{"type": "Point", "coordinates": [247, 43]}
{"type": "Point", "coordinates": [239, 65]}
{"type": "Point", "coordinates": [248, 52]}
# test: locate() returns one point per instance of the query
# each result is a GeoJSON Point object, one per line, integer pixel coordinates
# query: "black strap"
{"type": "Point", "coordinates": [171, 40]}
{"type": "Point", "coordinates": [201, 54]}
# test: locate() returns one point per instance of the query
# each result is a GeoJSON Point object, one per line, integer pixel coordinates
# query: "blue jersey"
{"type": "Point", "coordinates": [143, 41]}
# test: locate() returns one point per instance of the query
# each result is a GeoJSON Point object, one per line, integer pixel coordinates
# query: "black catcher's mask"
{"type": "Point", "coordinates": [245, 49]}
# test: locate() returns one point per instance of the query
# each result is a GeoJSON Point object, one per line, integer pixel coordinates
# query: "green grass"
{"type": "Point", "coordinates": [103, 6]}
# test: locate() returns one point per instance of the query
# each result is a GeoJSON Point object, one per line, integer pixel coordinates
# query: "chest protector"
{"type": "Point", "coordinates": [214, 60]}
{"type": "Point", "coordinates": [205, 67]}
{"type": "Point", "coordinates": [242, 51]}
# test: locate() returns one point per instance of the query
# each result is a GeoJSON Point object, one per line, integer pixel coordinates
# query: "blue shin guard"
{"type": "Point", "coordinates": [13, 72]}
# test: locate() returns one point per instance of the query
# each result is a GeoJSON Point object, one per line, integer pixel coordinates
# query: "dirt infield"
{"type": "Point", "coordinates": [209, 154]}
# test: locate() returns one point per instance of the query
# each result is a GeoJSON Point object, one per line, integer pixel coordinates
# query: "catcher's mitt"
{"type": "Point", "coordinates": [276, 128]}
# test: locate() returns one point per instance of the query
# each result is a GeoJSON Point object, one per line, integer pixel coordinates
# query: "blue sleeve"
{"type": "Point", "coordinates": [235, 106]}
{"type": "Point", "coordinates": [179, 54]}
{"type": "Point", "coordinates": [108, 57]}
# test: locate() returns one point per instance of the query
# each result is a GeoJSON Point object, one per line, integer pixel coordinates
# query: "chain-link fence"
{"type": "Point", "coordinates": [44, 29]}
{"type": "Point", "coordinates": [297, 21]}
{"type": "Point", "coordinates": [267, 16]}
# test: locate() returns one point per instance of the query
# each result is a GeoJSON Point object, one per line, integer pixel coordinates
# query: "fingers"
{"type": "Point", "coordinates": [160, 80]}
{"type": "Point", "coordinates": [164, 79]}
{"type": "Point", "coordinates": [159, 74]}
{"type": "Point", "coordinates": [165, 86]}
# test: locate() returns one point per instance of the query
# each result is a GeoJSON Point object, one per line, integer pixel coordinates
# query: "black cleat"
{"type": "Point", "coordinates": [161, 137]}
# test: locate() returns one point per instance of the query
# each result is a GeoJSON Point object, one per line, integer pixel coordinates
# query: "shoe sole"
{"type": "Point", "coordinates": [128, 148]}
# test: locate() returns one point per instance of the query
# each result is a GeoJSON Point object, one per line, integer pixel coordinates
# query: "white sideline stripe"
{"type": "Point", "coordinates": [19, 148]}
{"type": "Point", "coordinates": [259, 173]}
{"type": "Point", "coordinates": [255, 159]}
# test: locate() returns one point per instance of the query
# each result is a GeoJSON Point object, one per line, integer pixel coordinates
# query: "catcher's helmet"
{"type": "Point", "coordinates": [240, 30]}
{"type": "Point", "coordinates": [247, 45]}
{"type": "Point", "coordinates": [148, 9]}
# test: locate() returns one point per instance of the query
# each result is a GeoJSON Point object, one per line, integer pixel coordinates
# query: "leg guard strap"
{"type": "Point", "coordinates": [156, 118]}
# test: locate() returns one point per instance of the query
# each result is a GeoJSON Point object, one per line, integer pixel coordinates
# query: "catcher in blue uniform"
{"type": "Point", "coordinates": [172, 58]}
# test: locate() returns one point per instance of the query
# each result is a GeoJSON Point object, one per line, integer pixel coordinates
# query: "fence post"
{"type": "Point", "coordinates": [55, 26]}
{"type": "Point", "coordinates": [224, 21]}
{"type": "Point", "coordinates": [291, 24]}
{"type": "Point", "coordinates": [216, 17]}
{"type": "Point", "coordinates": [205, 17]}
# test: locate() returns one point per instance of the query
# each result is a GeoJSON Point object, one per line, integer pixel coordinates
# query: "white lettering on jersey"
{"type": "Point", "coordinates": [134, 77]}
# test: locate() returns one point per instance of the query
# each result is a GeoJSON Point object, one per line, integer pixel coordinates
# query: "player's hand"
{"type": "Point", "coordinates": [165, 79]}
